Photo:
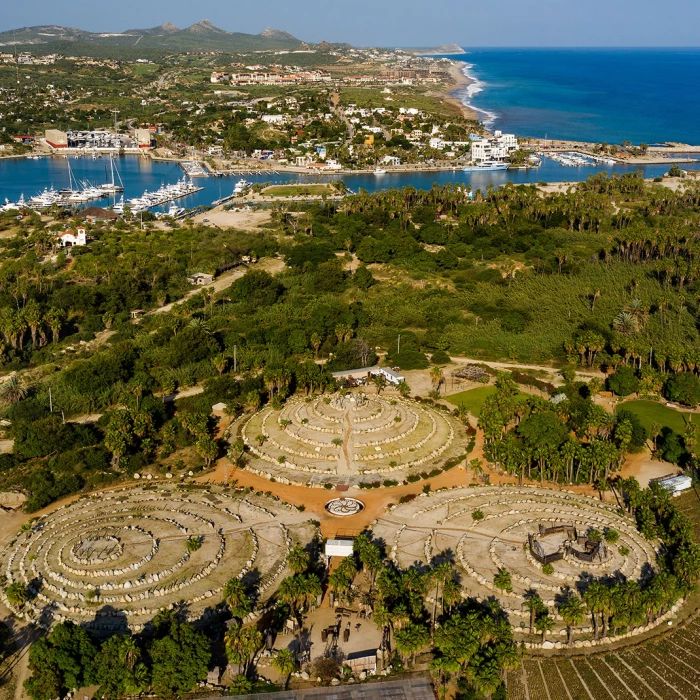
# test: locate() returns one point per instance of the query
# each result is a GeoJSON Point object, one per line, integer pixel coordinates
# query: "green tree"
{"type": "Point", "coordinates": [284, 663]}
{"type": "Point", "coordinates": [61, 661]}
{"type": "Point", "coordinates": [180, 656]}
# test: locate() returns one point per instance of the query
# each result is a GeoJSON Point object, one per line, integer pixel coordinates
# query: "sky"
{"type": "Point", "coordinates": [394, 22]}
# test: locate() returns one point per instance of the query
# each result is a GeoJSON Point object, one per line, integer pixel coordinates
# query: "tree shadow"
{"type": "Point", "coordinates": [107, 622]}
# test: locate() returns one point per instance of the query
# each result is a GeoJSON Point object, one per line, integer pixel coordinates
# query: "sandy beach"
{"type": "Point", "coordinates": [460, 81]}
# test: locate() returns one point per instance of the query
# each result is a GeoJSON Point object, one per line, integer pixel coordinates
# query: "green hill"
{"type": "Point", "coordinates": [202, 36]}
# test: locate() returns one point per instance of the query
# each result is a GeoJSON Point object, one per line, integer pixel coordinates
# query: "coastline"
{"type": "Point", "coordinates": [460, 82]}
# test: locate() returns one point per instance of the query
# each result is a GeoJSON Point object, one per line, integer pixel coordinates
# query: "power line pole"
{"type": "Point", "coordinates": [398, 345]}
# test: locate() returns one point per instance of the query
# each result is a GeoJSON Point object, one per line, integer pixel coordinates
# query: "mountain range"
{"type": "Point", "coordinates": [202, 36]}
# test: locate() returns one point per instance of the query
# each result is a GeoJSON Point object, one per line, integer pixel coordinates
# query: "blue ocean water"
{"type": "Point", "coordinates": [597, 95]}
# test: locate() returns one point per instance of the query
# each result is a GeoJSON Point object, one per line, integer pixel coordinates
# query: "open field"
{"type": "Point", "coordinates": [651, 412]}
{"type": "Point", "coordinates": [472, 399]}
{"type": "Point", "coordinates": [297, 190]}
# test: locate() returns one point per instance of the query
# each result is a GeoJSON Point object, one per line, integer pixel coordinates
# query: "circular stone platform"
{"type": "Point", "coordinates": [349, 438]}
{"type": "Point", "coordinates": [440, 525]}
{"type": "Point", "coordinates": [117, 558]}
{"type": "Point", "coordinates": [344, 507]}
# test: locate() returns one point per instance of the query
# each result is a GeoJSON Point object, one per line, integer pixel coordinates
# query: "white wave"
{"type": "Point", "coordinates": [468, 93]}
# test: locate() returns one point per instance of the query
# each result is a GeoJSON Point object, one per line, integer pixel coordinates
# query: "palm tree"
{"type": "Point", "coordinates": [535, 605]}
{"type": "Point", "coordinates": [411, 639]}
{"type": "Point", "coordinates": [444, 666]}
{"type": "Point", "coordinates": [544, 623]}
{"type": "Point", "coordinates": [285, 663]}
{"type": "Point", "coordinates": [220, 363]}
{"type": "Point", "coordinates": [404, 389]}
{"type": "Point", "coordinates": [597, 598]}
{"type": "Point", "coordinates": [12, 390]}
{"type": "Point", "coordinates": [237, 598]}
{"type": "Point", "coordinates": [573, 611]}
{"type": "Point", "coordinates": [439, 576]}
{"type": "Point", "coordinates": [240, 644]}
{"type": "Point", "coordinates": [298, 560]}
{"type": "Point", "coordinates": [380, 382]}
{"type": "Point", "coordinates": [436, 377]}
{"type": "Point", "coordinates": [16, 594]}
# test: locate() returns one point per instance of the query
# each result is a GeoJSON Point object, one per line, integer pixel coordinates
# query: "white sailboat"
{"type": "Point", "coordinates": [113, 187]}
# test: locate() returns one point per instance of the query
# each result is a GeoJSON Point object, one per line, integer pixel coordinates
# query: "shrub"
{"type": "Point", "coordinates": [611, 536]}
{"type": "Point", "coordinates": [624, 382]}
{"type": "Point", "coordinates": [624, 551]}
{"type": "Point", "coordinates": [412, 478]}
{"type": "Point", "coordinates": [503, 581]}
{"type": "Point", "coordinates": [440, 357]}
{"type": "Point", "coordinates": [548, 569]}
{"type": "Point", "coordinates": [477, 515]}
{"type": "Point", "coordinates": [684, 388]}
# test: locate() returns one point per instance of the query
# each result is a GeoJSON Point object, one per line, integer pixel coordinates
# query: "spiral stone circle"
{"type": "Point", "coordinates": [117, 558]}
{"type": "Point", "coordinates": [344, 507]}
{"type": "Point", "coordinates": [349, 437]}
{"type": "Point", "coordinates": [440, 525]}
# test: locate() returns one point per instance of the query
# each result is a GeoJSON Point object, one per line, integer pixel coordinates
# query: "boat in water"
{"type": "Point", "coordinates": [486, 166]}
{"type": "Point", "coordinates": [379, 171]}
{"type": "Point", "coordinates": [113, 186]}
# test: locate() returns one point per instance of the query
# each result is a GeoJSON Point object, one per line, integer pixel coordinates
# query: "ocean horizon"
{"type": "Point", "coordinates": [588, 94]}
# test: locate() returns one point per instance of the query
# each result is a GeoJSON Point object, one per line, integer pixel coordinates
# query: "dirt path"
{"type": "Point", "coordinates": [271, 265]}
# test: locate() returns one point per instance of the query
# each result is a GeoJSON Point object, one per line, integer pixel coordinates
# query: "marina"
{"type": "Point", "coordinates": [21, 179]}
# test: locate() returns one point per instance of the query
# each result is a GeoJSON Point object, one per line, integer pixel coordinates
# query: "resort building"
{"type": "Point", "coordinates": [498, 147]}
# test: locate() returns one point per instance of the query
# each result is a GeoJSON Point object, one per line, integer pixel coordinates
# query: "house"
{"type": "Point", "coordinates": [391, 160]}
{"type": "Point", "coordinates": [69, 239]}
{"type": "Point", "coordinates": [93, 214]}
{"type": "Point", "coordinates": [199, 279]}
{"type": "Point", "coordinates": [368, 374]}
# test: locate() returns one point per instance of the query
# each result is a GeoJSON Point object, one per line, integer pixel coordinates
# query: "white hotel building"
{"type": "Point", "coordinates": [498, 147]}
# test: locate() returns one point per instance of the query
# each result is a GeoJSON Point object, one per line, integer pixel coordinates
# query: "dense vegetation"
{"type": "Point", "coordinates": [603, 275]}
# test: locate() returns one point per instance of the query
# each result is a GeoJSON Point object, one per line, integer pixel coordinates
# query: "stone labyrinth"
{"type": "Point", "coordinates": [349, 438]}
{"type": "Point", "coordinates": [122, 556]}
{"type": "Point", "coordinates": [440, 526]}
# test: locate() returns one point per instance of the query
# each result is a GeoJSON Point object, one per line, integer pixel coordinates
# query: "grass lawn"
{"type": "Point", "coordinates": [650, 412]}
{"type": "Point", "coordinates": [297, 190]}
{"type": "Point", "coordinates": [473, 399]}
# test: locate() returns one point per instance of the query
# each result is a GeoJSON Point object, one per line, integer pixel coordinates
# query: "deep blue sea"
{"type": "Point", "coordinates": [597, 95]}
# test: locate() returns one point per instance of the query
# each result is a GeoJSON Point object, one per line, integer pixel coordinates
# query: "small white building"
{"type": "Point", "coordinates": [69, 239]}
{"type": "Point", "coordinates": [199, 279]}
{"type": "Point", "coordinates": [339, 548]}
{"type": "Point", "coordinates": [367, 373]}
{"type": "Point", "coordinates": [676, 485]}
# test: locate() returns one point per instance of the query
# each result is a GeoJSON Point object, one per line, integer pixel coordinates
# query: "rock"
{"type": "Point", "coordinates": [548, 645]}
{"type": "Point", "coordinates": [305, 676]}
{"type": "Point", "coordinates": [335, 681]}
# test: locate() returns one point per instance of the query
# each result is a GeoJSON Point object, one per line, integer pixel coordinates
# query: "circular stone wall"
{"type": "Point", "coordinates": [117, 558]}
{"type": "Point", "coordinates": [440, 525]}
{"type": "Point", "coordinates": [349, 439]}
